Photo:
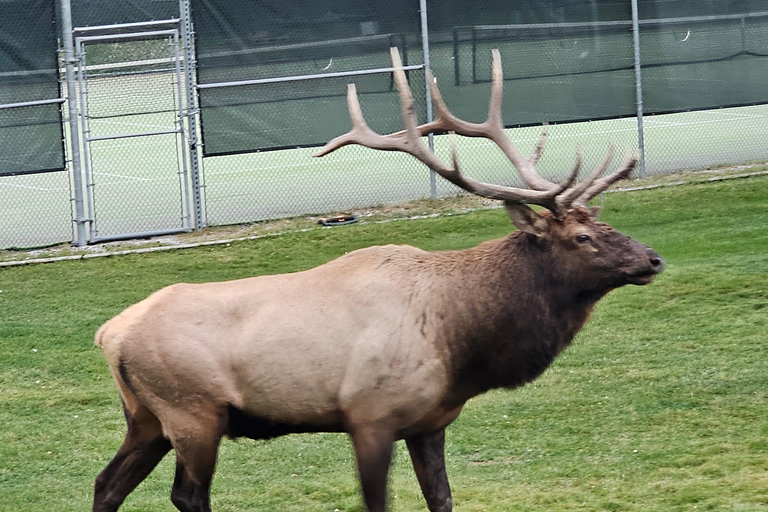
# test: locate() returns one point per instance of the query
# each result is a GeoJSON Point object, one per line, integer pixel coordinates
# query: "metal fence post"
{"type": "Point", "coordinates": [191, 113]}
{"type": "Point", "coordinates": [638, 88]}
{"type": "Point", "coordinates": [74, 136]}
{"type": "Point", "coordinates": [428, 92]}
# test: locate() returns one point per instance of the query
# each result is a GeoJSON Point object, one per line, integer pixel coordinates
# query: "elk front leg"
{"type": "Point", "coordinates": [428, 457]}
{"type": "Point", "coordinates": [373, 450]}
{"type": "Point", "coordinates": [196, 439]}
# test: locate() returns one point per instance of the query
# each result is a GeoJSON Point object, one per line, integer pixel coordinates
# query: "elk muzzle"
{"type": "Point", "coordinates": [654, 266]}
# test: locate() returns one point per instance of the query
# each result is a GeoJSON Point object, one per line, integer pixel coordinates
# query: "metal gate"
{"type": "Point", "coordinates": [131, 96]}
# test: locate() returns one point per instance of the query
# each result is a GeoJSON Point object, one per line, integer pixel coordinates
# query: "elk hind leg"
{"type": "Point", "coordinates": [428, 456]}
{"type": "Point", "coordinates": [143, 448]}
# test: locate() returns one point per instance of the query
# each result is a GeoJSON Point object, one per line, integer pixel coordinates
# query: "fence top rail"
{"type": "Point", "coordinates": [299, 46]}
{"type": "Point", "coordinates": [29, 72]}
{"type": "Point", "coordinates": [299, 78]}
{"type": "Point", "coordinates": [132, 35]}
{"type": "Point", "coordinates": [105, 28]}
{"type": "Point", "coordinates": [32, 103]}
{"type": "Point", "coordinates": [618, 23]}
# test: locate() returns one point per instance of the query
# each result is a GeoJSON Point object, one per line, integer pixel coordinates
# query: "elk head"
{"type": "Point", "coordinates": [602, 257]}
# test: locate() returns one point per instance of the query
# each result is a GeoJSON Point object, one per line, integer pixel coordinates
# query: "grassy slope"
{"type": "Point", "coordinates": [660, 405]}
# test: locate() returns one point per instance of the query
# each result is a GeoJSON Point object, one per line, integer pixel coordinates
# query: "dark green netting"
{"type": "Point", "coordinates": [284, 115]}
{"type": "Point", "coordinates": [691, 65]}
{"type": "Point", "coordinates": [258, 40]}
{"type": "Point", "coordinates": [31, 140]}
{"type": "Point", "coordinates": [88, 13]}
{"type": "Point", "coordinates": [564, 60]}
{"type": "Point", "coordinates": [30, 136]}
{"type": "Point", "coordinates": [573, 61]}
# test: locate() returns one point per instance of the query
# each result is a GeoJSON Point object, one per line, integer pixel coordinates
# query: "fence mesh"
{"type": "Point", "coordinates": [276, 40]}
{"type": "Point", "coordinates": [270, 184]}
{"type": "Point", "coordinates": [704, 75]}
{"type": "Point", "coordinates": [698, 63]}
{"type": "Point", "coordinates": [281, 115]}
{"type": "Point", "coordinates": [131, 114]}
{"type": "Point", "coordinates": [34, 201]}
{"type": "Point", "coordinates": [271, 79]}
{"type": "Point", "coordinates": [88, 13]}
{"type": "Point", "coordinates": [30, 134]}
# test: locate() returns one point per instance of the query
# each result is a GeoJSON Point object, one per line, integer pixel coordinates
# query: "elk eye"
{"type": "Point", "coordinates": [583, 239]}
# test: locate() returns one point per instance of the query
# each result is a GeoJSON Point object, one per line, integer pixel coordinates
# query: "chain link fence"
{"type": "Point", "coordinates": [269, 81]}
{"type": "Point", "coordinates": [130, 87]}
{"type": "Point", "coordinates": [34, 189]}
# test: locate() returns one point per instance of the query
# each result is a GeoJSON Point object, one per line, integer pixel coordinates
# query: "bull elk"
{"type": "Point", "coordinates": [411, 336]}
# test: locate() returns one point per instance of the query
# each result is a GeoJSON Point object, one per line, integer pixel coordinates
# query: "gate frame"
{"type": "Point", "coordinates": [192, 217]}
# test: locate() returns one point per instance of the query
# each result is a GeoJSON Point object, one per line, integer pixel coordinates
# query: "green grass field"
{"type": "Point", "coordinates": [659, 405]}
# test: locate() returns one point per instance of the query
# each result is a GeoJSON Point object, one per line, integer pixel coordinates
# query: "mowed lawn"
{"type": "Point", "coordinates": [661, 404]}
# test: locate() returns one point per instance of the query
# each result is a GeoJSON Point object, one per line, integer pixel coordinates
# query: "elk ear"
{"type": "Point", "coordinates": [525, 219]}
{"type": "Point", "coordinates": [594, 212]}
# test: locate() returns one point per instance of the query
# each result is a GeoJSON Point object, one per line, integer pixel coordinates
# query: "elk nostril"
{"type": "Point", "coordinates": [657, 261]}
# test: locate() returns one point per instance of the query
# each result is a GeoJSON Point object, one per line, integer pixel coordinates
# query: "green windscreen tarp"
{"type": "Point", "coordinates": [574, 60]}
{"type": "Point", "coordinates": [88, 13]}
{"type": "Point", "coordinates": [271, 41]}
{"type": "Point", "coordinates": [564, 61]}
{"type": "Point", "coordinates": [714, 60]}
{"type": "Point", "coordinates": [30, 136]}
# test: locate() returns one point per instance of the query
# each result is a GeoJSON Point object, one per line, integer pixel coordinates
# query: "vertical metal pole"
{"type": "Point", "coordinates": [85, 130]}
{"type": "Point", "coordinates": [743, 34]}
{"type": "Point", "coordinates": [428, 91]}
{"type": "Point", "coordinates": [187, 214]}
{"type": "Point", "coordinates": [74, 136]}
{"type": "Point", "coordinates": [638, 88]}
{"type": "Point", "coordinates": [456, 70]}
{"type": "Point", "coordinates": [474, 56]}
{"type": "Point", "coordinates": [191, 113]}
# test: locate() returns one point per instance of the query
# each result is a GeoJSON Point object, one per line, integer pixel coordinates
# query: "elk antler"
{"type": "Point", "coordinates": [555, 197]}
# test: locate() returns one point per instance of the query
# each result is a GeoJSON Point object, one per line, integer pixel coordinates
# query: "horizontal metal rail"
{"type": "Point", "coordinates": [695, 19]}
{"type": "Point", "coordinates": [32, 103]}
{"type": "Point", "coordinates": [145, 234]}
{"type": "Point", "coordinates": [618, 23]}
{"type": "Point", "coordinates": [149, 24]}
{"type": "Point", "coordinates": [299, 78]}
{"type": "Point", "coordinates": [29, 72]}
{"type": "Point", "coordinates": [130, 135]}
{"type": "Point", "coordinates": [298, 46]}
{"type": "Point", "coordinates": [132, 64]}
{"type": "Point", "coordinates": [120, 37]}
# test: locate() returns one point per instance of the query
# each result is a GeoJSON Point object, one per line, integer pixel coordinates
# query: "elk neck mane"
{"type": "Point", "coordinates": [512, 310]}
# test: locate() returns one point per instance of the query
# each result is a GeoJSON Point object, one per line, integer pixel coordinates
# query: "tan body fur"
{"type": "Point", "coordinates": [351, 355]}
{"type": "Point", "coordinates": [384, 343]}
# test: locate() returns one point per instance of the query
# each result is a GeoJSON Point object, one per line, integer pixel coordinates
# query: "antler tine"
{"type": "Point", "coordinates": [445, 118]}
{"type": "Point", "coordinates": [363, 135]}
{"type": "Point", "coordinates": [360, 132]}
{"type": "Point", "coordinates": [571, 195]}
{"type": "Point", "coordinates": [492, 128]}
{"type": "Point", "coordinates": [623, 172]}
{"type": "Point", "coordinates": [497, 89]}
{"type": "Point", "coordinates": [534, 158]}
{"type": "Point", "coordinates": [546, 198]}
{"type": "Point", "coordinates": [409, 141]}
